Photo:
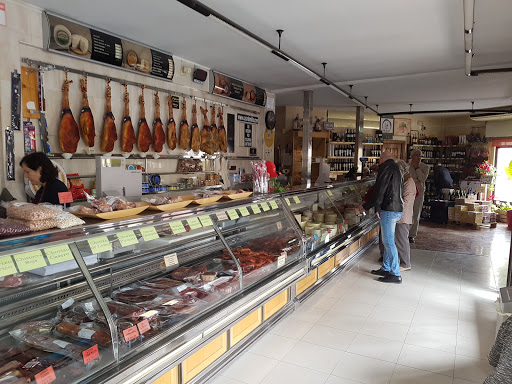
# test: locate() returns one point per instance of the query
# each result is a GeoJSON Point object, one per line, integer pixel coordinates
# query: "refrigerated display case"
{"type": "Point", "coordinates": [171, 293]}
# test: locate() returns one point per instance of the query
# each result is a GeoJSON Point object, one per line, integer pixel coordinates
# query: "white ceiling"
{"type": "Point", "coordinates": [396, 52]}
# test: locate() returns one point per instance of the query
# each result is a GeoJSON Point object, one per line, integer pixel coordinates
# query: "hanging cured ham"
{"type": "Point", "coordinates": [215, 131]}
{"type": "Point", "coordinates": [109, 135]}
{"type": "Point", "coordinates": [127, 132]}
{"type": "Point", "coordinates": [184, 131]}
{"type": "Point", "coordinates": [158, 128]}
{"type": "Point", "coordinates": [69, 134]}
{"type": "Point", "coordinates": [222, 137]}
{"type": "Point", "coordinates": [172, 140]}
{"type": "Point", "coordinates": [195, 142]}
{"type": "Point", "coordinates": [144, 138]}
{"type": "Point", "coordinates": [86, 119]}
{"type": "Point", "coordinates": [206, 134]}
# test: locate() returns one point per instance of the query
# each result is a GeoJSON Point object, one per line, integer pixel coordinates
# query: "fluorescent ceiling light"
{"type": "Point", "coordinates": [491, 117]}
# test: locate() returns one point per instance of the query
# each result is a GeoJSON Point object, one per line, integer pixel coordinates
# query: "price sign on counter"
{"type": "Point", "coordinates": [206, 221]}
{"type": "Point", "coordinates": [177, 227]}
{"type": "Point", "coordinates": [29, 260]}
{"type": "Point", "coordinates": [127, 238]}
{"type": "Point", "coordinates": [130, 333]}
{"type": "Point", "coordinates": [100, 244]}
{"type": "Point", "coordinates": [281, 260]}
{"type": "Point", "coordinates": [287, 201]}
{"type": "Point", "coordinates": [232, 214]}
{"type": "Point", "coordinates": [265, 207]}
{"type": "Point", "coordinates": [65, 197]}
{"type": "Point", "coordinates": [255, 209]}
{"type": "Point", "coordinates": [58, 254]}
{"type": "Point", "coordinates": [221, 216]}
{"type": "Point", "coordinates": [143, 326]}
{"type": "Point", "coordinates": [91, 354]}
{"type": "Point", "coordinates": [329, 192]}
{"type": "Point", "coordinates": [273, 204]}
{"type": "Point", "coordinates": [171, 260]}
{"type": "Point", "coordinates": [279, 225]}
{"type": "Point", "coordinates": [194, 223]}
{"type": "Point", "coordinates": [244, 211]}
{"type": "Point", "coordinates": [7, 266]}
{"type": "Point", "coordinates": [46, 376]}
{"type": "Point", "coordinates": [296, 199]}
{"type": "Point", "coordinates": [149, 233]}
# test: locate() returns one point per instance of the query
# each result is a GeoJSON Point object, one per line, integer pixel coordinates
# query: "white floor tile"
{"type": "Point", "coordinates": [273, 346]}
{"type": "Point", "coordinates": [352, 307]}
{"type": "Point", "coordinates": [480, 330]}
{"type": "Point", "coordinates": [339, 380]}
{"type": "Point", "coordinates": [364, 369]}
{"type": "Point", "coordinates": [385, 329]}
{"type": "Point", "coordinates": [427, 359]}
{"type": "Point", "coordinates": [363, 295]}
{"type": "Point", "coordinates": [408, 375]}
{"type": "Point", "coordinates": [376, 348]}
{"type": "Point", "coordinates": [474, 347]}
{"type": "Point", "coordinates": [462, 381]}
{"type": "Point", "coordinates": [285, 373]}
{"type": "Point", "coordinates": [438, 309]}
{"type": "Point", "coordinates": [403, 290]}
{"type": "Point", "coordinates": [249, 368]}
{"type": "Point", "coordinates": [322, 302]}
{"type": "Point", "coordinates": [392, 315]}
{"type": "Point", "coordinates": [400, 303]}
{"type": "Point", "coordinates": [472, 369]}
{"type": "Point", "coordinates": [329, 337]}
{"type": "Point", "coordinates": [291, 328]}
{"type": "Point", "coordinates": [427, 338]}
{"type": "Point", "coordinates": [341, 321]}
{"type": "Point", "coordinates": [435, 323]}
{"type": "Point", "coordinates": [218, 379]}
{"type": "Point", "coordinates": [308, 314]}
{"type": "Point", "coordinates": [313, 356]}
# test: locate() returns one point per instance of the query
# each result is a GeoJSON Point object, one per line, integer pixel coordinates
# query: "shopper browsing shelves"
{"type": "Point", "coordinates": [419, 172]}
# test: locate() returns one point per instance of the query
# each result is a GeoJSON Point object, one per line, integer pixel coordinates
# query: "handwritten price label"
{"type": "Point", "coordinates": [273, 204]}
{"type": "Point", "coordinates": [143, 326]}
{"type": "Point", "coordinates": [194, 223]}
{"type": "Point", "coordinates": [100, 244]}
{"type": "Point", "coordinates": [65, 197]}
{"type": "Point", "coordinates": [232, 214]}
{"type": "Point", "coordinates": [149, 233]}
{"type": "Point", "coordinates": [7, 266]}
{"type": "Point", "coordinates": [296, 199]}
{"type": "Point", "coordinates": [171, 260]}
{"type": "Point", "coordinates": [46, 376]}
{"type": "Point", "coordinates": [29, 260]}
{"type": "Point", "coordinates": [177, 227]}
{"type": "Point", "coordinates": [281, 260]}
{"type": "Point", "coordinates": [287, 201]}
{"type": "Point", "coordinates": [265, 206]}
{"type": "Point", "coordinates": [130, 333]}
{"type": "Point", "coordinates": [255, 209]}
{"type": "Point", "coordinates": [279, 225]}
{"type": "Point", "coordinates": [221, 216]}
{"type": "Point", "coordinates": [329, 193]}
{"type": "Point", "coordinates": [206, 221]}
{"type": "Point", "coordinates": [91, 354]}
{"type": "Point", "coordinates": [244, 211]}
{"type": "Point", "coordinates": [58, 254]}
{"type": "Point", "coordinates": [127, 238]}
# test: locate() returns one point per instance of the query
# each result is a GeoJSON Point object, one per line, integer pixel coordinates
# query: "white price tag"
{"type": "Point", "coordinates": [281, 260]}
{"type": "Point", "coordinates": [171, 260]}
{"type": "Point", "coordinates": [182, 287]}
{"type": "Point", "coordinates": [172, 302]}
{"type": "Point", "coordinates": [68, 303]}
{"type": "Point", "coordinates": [86, 333]}
{"type": "Point", "coordinates": [149, 314]}
{"type": "Point", "coordinates": [89, 307]}
{"type": "Point", "coordinates": [61, 343]}
{"type": "Point", "coordinates": [279, 226]}
{"type": "Point", "coordinates": [221, 216]}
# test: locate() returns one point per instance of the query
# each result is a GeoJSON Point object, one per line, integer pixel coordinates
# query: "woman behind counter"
{"type": "Point", "coordinates": [41, 171]}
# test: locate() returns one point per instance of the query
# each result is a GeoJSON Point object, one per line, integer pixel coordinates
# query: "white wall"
{"type": "Point", "coordinates": [22, 38]}
{"type": "Point", "coordinates": [502, 128]}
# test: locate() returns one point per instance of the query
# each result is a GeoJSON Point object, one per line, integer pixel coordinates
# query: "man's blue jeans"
{"type": "Point", "coordinates": [388, 222]}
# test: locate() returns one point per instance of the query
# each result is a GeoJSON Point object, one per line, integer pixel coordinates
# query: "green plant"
{"type": "Point", "coordinates": [508, 170]}
{"type": "Point", "coordinates": [502, 206]}
{"type": "Point", "coordinates": [278, 188]}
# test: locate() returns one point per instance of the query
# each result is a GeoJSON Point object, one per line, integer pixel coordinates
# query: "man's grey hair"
{"type": "Point", "coordinates": [404, 167]}
{"type": "Point", "coordinates": [415, 151]}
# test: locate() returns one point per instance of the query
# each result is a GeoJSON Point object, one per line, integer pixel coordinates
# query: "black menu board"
{"type": "Point", "coordinates": [239, 90]}
{"type": "Point", "coordinates": [105, 48]}
{"type": "Point", "coordinates": [162, 65]}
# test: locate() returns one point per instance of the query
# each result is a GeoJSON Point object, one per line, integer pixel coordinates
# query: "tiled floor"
{"type": "Point", "coordinates": [435, 328]}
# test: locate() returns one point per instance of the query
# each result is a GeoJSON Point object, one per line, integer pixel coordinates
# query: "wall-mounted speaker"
{"type": "Point", "coordinates": [200, 76]}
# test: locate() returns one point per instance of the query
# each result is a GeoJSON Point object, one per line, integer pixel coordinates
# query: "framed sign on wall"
{"type": "Point", "coordinates": [386, 126]}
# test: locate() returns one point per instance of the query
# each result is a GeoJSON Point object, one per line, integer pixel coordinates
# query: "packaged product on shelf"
{"type": "Point", "coordinates": [29, 211]}
{"type": "Point", "coordinates": [37, 225]}
{"type": "Point", "coordinates": [67, 220]}
{"type": "Point", "coordinates": [162, 283]}
{"type": "Point", "coordinates": [105, 204]}
{"type": "Point", "coordinates": [10, 228]}
{"type": "Point", "coordinates": [136, 295]}
{"type": "Point", "coordinates": [43, 327]}
{"type": "Point", "coordinates": [78, 332]}
{"type": "Point", "coordinates": [161, 200]}
{"type": "Point", "coordinates": [76, 186]}
{"type": "Point", "coordinates": [189, 165]}
{"type": "Point", "coordinates": [12, 281]}
{"type": "Point", "coordinates": [189, 274]}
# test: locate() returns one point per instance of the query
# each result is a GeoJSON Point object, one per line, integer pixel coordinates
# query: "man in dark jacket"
{"type": "Point", "coordinates": [388, 203]}
{"type": "Point", "coordinates": [442, 178]}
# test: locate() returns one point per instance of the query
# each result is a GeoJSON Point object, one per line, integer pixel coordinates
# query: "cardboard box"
{"type": "Point", "coordinates": [475, 217]}
{"type": "Point", "coordinates": [483, 202]}
{"type": "Point", "coordinates": [483, 208]}
{"type": "Point", "coordinates": [461, 208]}
{"type": "Point", "coordinates": [451, 213]}
{"type": "Point", "coordinates": [486, 218]}
{"type": "Point", "coordinates": [472, 206]}
{"type": "Point", "coordinates": [464, 217]}
{"type": "Point", "coordinates": [461, 201]}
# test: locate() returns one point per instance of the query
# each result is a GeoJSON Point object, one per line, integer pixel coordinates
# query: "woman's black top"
{"type": "Point", "coordinates": [49, 193]}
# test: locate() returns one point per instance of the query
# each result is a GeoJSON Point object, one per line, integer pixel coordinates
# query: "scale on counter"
{"type": "Point", "coordinates": [113, 179]}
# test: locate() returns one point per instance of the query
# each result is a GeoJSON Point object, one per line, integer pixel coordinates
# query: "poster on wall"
{"type": "Point", "coordinates": [402, 127]}
{"type": "Point", "coordinates": [386, 126]}
{"type": "Point", "coordinates": [15, 100]}
{"type": "Point", "coordinates": [239, 90]}
{"type": "Point", "coordinates": [247, 135]}
{"type": "Point", "coordinates": [65, 36]}
{"type": "Point", "coordinates": [9, 149]}
{"type": "Point", "coordinates": [231, 133]}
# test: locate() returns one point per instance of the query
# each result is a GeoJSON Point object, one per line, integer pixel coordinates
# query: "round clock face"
{"type": "Point", "coordinates": [270, 120]}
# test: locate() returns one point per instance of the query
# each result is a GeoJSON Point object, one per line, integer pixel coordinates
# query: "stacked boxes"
{"type": "Point", "coordinates": [458, 210]}
{"type": "Point", "coordinates": [451, 213]}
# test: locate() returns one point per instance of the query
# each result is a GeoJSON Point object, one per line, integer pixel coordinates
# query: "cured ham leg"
{"type": "Point", "coordinates": [195, 142]}
{"type": "Point", "coordinates": [86, 119]}
{"type": "Point", "coordinates": [69, 134]}
{"type": "Point", "coordinates": [109, 135]}
{"type": "Point", "coordinates": [144, 138]}
{"type": "Point", "coordinates": [184, 131]}
{"type": "Point", "coordinates": [206, 133]}
{"type": "Point", "coordinates": [172, 140]}
{"type": "Point", "coordinates": [215, 131]}
{"type": "Point", "coordinates": [222, 138]}
{"type": "Point", "coordinates": [158, 128]}
{"type": "Point", "coordinates": [127, 131]}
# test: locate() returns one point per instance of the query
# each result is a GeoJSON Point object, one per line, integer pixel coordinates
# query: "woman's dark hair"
{"type": "Point", "coordinates": [39, 159]}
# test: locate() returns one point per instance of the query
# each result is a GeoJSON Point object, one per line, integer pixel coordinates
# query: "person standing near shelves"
{"type": "Point", "coordinates": [419, 172]}
{"type": "Point", "coordinates": [388, 203]}
{"type": "Point", "coordinates": [442, 178]}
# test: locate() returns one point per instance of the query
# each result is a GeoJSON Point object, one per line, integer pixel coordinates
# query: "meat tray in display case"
{"type": "Point", "coordinates": [81, 305]}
